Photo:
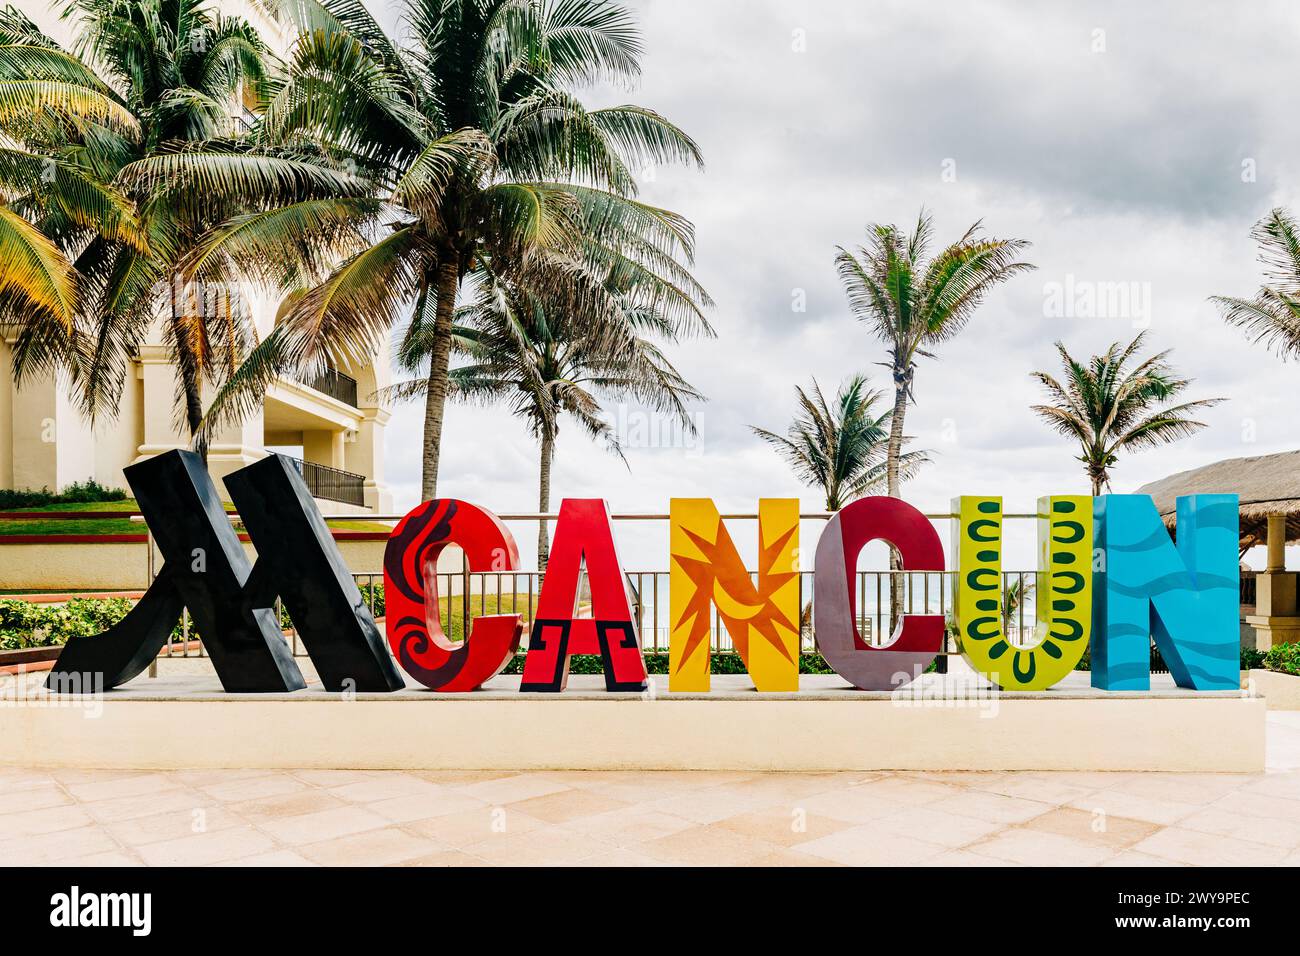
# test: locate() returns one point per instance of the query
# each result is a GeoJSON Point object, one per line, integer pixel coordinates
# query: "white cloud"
{"type": "Point", "coordinates": [1120, 166]}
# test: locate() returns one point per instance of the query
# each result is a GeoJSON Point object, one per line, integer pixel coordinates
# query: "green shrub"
{"type": "Point", "coordinates": [24, 624]}
{"type": "Point", "coordinates": [1283, 658]}
{"type": "Point", "coordinates": [79, 492]}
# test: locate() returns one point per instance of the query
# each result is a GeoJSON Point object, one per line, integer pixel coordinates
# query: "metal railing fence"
{"type": "Point", "coordinates": [465, 595]}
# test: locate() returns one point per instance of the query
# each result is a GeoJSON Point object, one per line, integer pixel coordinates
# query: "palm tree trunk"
{"type": "Point", "coordinates": [902, 385]}
{"type": "Point", "coordinates": [544, 500]}
{"type": "Point", "coordinates": [446, 281]}
{"type": "Point", "coordinates": [187, 367]}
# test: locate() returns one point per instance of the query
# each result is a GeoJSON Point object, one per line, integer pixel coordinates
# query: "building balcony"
{"type": "Point", "coordinates": [336, 385]}
{"type": "Point", "coordinates": [331, 484]}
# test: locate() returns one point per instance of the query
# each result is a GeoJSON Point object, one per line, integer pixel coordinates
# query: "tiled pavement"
{"type": "Point", "coordinates": [439, 818]}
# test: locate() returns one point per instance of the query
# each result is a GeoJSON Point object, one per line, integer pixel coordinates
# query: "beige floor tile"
{"type": "Point", "coordinates": [410, 809]}
{"type": "Point", "coordinates": [783, 827]}
{"type": "Point", "coordinates": [1275, 832]}
{"type": "Point", "coordinates": [868, 845]}
{"type": "Point", "coordinates": [130, 807]}
{"type": "Point", "coordinates": [45, 820]}
{"type": "Point", "coordinates": [545, 846]}
{"type": "Point", "coordinates": [34, 798]}
{"type": "Point", "coordinates": [1040, 848]}
{"type": "Point", "coordinates": [287, 805]}
{"type": "Point", "coordinates": [1027, 787]}
{"type": "Point", "coordinates": [394, 786]}
{"type": "Point", "coordinates": [206, 778]}
{"type": "Point", "coordinates": [785, 858]}
{"type": "Point", "coordinates": [1194, 788]}
{"type": "Point", "coordinates": [77, 775]}
{"type": "Point", "coordinates": [242, 789]}
{"type": "Point", "coordinates": [1254, 804]}
{"type": "Point", "coordinates": [143, 785]}
{"type": "Point", "coordinates": [466, 827]}
{"type": "Point", "coordinates": [1284, 784]}
{"type": "Point", "coordinates": [513, 789]}
{"type": "Point", "coordinates": [270, 858]}
{"type": "Point", "coordinates": [707, 806]}
{"type": "Point", "coordinates": [853, 805]}
{"type": "Point", "coordinates": [908, 790]}
{"type": "Point", "coordinates": [707, 846]}
{"type": "Point", "coordinates": [620, 856]}
{"type": "Point", "coordinates": [1208, 849]}
{"type": "Point", "coordinates": [112, 858]}
{"type": "Point", "coordinates": [461, 778]}
{"type": "Point", "coordinates": [65, 846]}
{"type": "Point", "coordinates": [446, 858]}
{"type": "Point", "coordinates": [336, 778]}
{"type": "Point", "coordinates": [1134, 858]}
{"type": "Point", "coordinates": [371, 848]}
{"type": "Point", "coordinates": [17, 779]}
{"type": "Point", "coordinates": [1099, 829]}
{"type": "Point", "coordinates": [1118, 803]}
{"type": "Point", "coordinates": [965, 858]}
{"type": "Point", "coordinates": [629, 826]}
{"type": "Point", "coordinates": [304, 828]}
{"type": "Point", "coordinates": [171, 825]}
{"type": "Point", "coordinates": [992, 807]}
{"type": "Point", "coordinates": [933, 826]}
{"type": "Point", "coordinates": [203, 848]}
{"type": "Point", "coordinates": [567, 805]}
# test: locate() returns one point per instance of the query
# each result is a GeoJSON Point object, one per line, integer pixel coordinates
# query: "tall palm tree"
{"type": "Point", "coordinates": [547, 361]}
{"type": "Point", "coordinates": [912, 302]}
{"type": "Point", "coordinates": [1273, 315]}
{"type": "Point", "coordinates": [146, 139]}
{"type": "Point", "coordinates": [1109, 406]}
{"type": "Point", "coordinates": [480, 155]}
{"type": "Point", "coordinates": [841, 448]}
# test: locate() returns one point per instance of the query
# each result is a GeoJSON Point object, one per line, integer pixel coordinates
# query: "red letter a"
{"type": "Point", "coordinates": [583, 532]}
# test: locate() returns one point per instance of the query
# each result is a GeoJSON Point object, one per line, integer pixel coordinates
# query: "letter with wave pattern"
{"type": "Point", "coordinates": [583, 535]}
{"type": "Point", "coordinates": [411, 595]}
{"type": "Point", "coordinates": [1185, 596]}
{"type": "Point", "coordinates": [706, 572]}
{"type": "Point", "coordinates": [1063, 586]}
{"type": "Point", "coordinates": [918, 638]}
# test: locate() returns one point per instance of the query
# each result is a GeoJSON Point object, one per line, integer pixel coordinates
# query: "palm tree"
{"type": "Point", "coordinates": [912, 302]}
{"type": "Point", "coordinates": [1273, 315]}
{"type": "Point", "coordinates": [1109, 407]}
{"type": "Point", "coordinates": [546, 361]}
{"type": "Point", "coordinates": [480, 156]}
{"type": "Point", "coordinates": [841, 448]}
{"type": "Point", "coordinates": [146, 158]}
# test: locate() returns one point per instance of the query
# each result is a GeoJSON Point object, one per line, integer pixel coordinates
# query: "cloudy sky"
{"type": "Point", "coordinates": [1132, 144]}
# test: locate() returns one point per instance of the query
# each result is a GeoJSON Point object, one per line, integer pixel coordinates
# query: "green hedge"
{"type": "Point", "coordinates": [77, 493]}
{"type": "Point", "coordinates": [1283, 658]}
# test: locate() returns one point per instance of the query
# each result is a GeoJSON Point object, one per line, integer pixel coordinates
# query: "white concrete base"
{"type": "Point", "coordinates": [936, 724]}
{"type": "Point", "coordinates": [1281, 691]}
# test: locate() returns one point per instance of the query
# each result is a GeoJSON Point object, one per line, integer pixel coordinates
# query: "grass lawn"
{"type": "Point", "coordinates": [124, 525]}
{"type": "Point", "coordinates": [455, 607]}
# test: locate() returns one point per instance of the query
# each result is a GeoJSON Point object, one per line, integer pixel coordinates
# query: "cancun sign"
{"type": "Point", "coordinates": [1111, 579]}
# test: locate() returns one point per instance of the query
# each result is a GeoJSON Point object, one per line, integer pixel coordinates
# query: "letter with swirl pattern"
{"type": "Point", "coordinates": [1184, 596]}
{"type": "Point", "coordinates": [707, 573]}
{"type": "Point", "coordinates": [1063, 591]}
{"type": "Point", "coordinates": [411, 595]}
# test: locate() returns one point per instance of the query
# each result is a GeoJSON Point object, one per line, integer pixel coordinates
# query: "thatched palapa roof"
{"type": "Point", "coordinates": [1266, 484]}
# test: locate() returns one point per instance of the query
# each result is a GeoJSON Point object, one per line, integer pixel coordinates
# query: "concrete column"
{"type": "Point", "coordinates": [1276, 543]}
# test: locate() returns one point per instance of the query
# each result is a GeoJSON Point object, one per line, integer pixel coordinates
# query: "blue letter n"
{"type": "Point", "coordinates": [1184, 596]}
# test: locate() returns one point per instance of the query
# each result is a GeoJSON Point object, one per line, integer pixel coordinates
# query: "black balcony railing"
{"type": "Point", "coordinates": [336, 385]}
{"type": "Point", "coordinates": [332, 484]}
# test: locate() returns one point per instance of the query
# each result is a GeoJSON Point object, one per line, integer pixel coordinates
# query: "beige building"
{"type": "Point", "coordinates": [334, 424]}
